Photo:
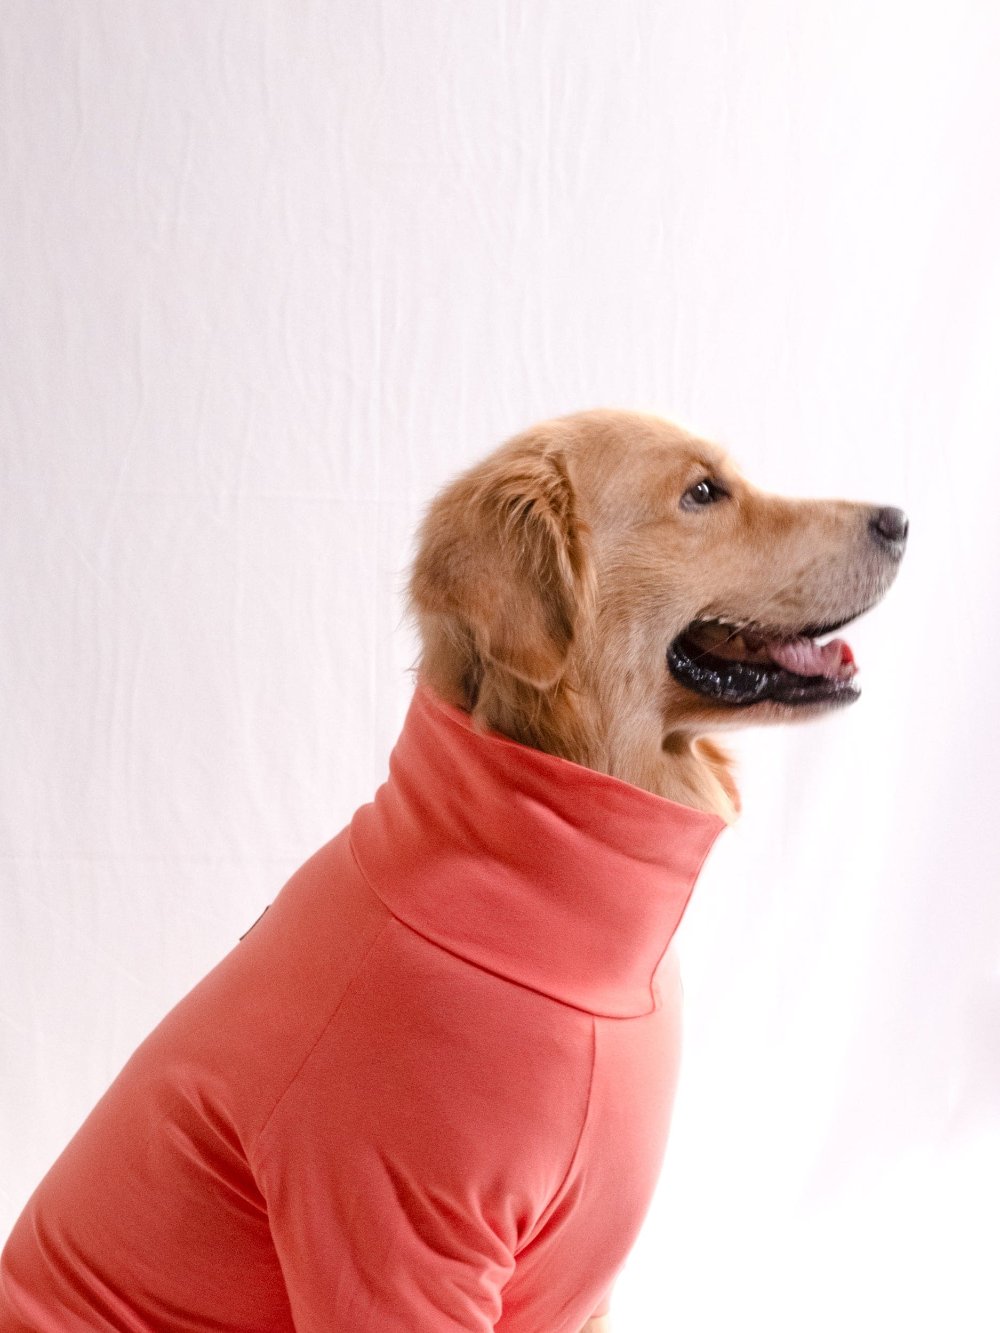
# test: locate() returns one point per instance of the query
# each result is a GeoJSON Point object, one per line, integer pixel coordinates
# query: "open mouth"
{"type": "Point", "coordinates": [741, 664]}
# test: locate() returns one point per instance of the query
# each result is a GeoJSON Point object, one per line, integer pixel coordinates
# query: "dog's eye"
{"type": "Point", "coordinates": [704, 493]}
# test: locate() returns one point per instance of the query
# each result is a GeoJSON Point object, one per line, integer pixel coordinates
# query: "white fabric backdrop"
{"type": "Point", "coordinates": [270, 274]}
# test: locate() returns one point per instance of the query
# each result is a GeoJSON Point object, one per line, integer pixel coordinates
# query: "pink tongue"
{"type": "Point", "coordinates": [806, 658]}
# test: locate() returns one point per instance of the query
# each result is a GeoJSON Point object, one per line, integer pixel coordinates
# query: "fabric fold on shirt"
{"type": "Point", "coordinates": [558, 877]}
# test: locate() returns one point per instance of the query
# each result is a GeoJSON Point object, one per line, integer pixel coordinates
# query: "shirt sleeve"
{"type": "Point", "coordinates": [385, 1170]}
{"type": "Point", "coordinates": [418, 1147]}
{"type": "Point", "coordinates": [393, 1254]}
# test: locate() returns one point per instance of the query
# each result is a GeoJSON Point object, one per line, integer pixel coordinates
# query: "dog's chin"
{"type": "Point", "coordinates": [733, 673]}
{"type": "Point", "coordinates": [705, 717]}
{"type": "Point", "coordinates": [684, 713]}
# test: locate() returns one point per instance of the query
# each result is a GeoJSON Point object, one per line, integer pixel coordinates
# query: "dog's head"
{"type": "Point", "coordinates": [609, 588]}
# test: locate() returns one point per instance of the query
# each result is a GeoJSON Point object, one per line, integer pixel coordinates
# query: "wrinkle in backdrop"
{"type": "Point", "coordinates": [271, 274]}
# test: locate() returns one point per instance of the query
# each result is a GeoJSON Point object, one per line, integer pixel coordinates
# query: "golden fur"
{"type": "Point", "coordinates": [551, 577]}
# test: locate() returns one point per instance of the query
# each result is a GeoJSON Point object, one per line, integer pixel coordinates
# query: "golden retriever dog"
{"type": "Point", "coordinates": [429, 1090]}
{"type": "Point", "coordinates": [607, 587]}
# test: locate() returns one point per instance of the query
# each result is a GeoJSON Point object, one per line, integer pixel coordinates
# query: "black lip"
{"type": "Point", "coordinates": [740, 684]}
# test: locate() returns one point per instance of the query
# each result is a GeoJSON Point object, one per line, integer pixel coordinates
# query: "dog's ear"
{"type": "Point", "coordinates": [502, 575]}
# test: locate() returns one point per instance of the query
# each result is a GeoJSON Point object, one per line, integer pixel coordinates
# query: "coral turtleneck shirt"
{"type": "Point", "coordinates": [429, 1090]}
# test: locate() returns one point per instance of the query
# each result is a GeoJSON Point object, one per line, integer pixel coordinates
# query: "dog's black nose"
{"type": "Point", "coordinates": [890, 526]}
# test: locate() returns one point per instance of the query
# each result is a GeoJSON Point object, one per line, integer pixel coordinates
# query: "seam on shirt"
{"type": "Point", "coordinates": [558, 1192]}
{"type": "Point", "coordinates": [258, 1147]}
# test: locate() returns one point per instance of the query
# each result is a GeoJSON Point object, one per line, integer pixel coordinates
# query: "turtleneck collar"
{"type": "Point", "coordinates": [559, 878]}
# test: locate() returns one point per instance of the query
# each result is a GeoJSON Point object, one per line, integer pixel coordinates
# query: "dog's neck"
{"type": "Point", "coordinates": [696, 772]}
{"type": "Point", "coordinates": [683, 766]}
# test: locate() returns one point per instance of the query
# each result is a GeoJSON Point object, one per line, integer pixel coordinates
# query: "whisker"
{"type": "Point", "coordinates": [708, 652]}
{"type": "Point", "coordinates": [789, 586]}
